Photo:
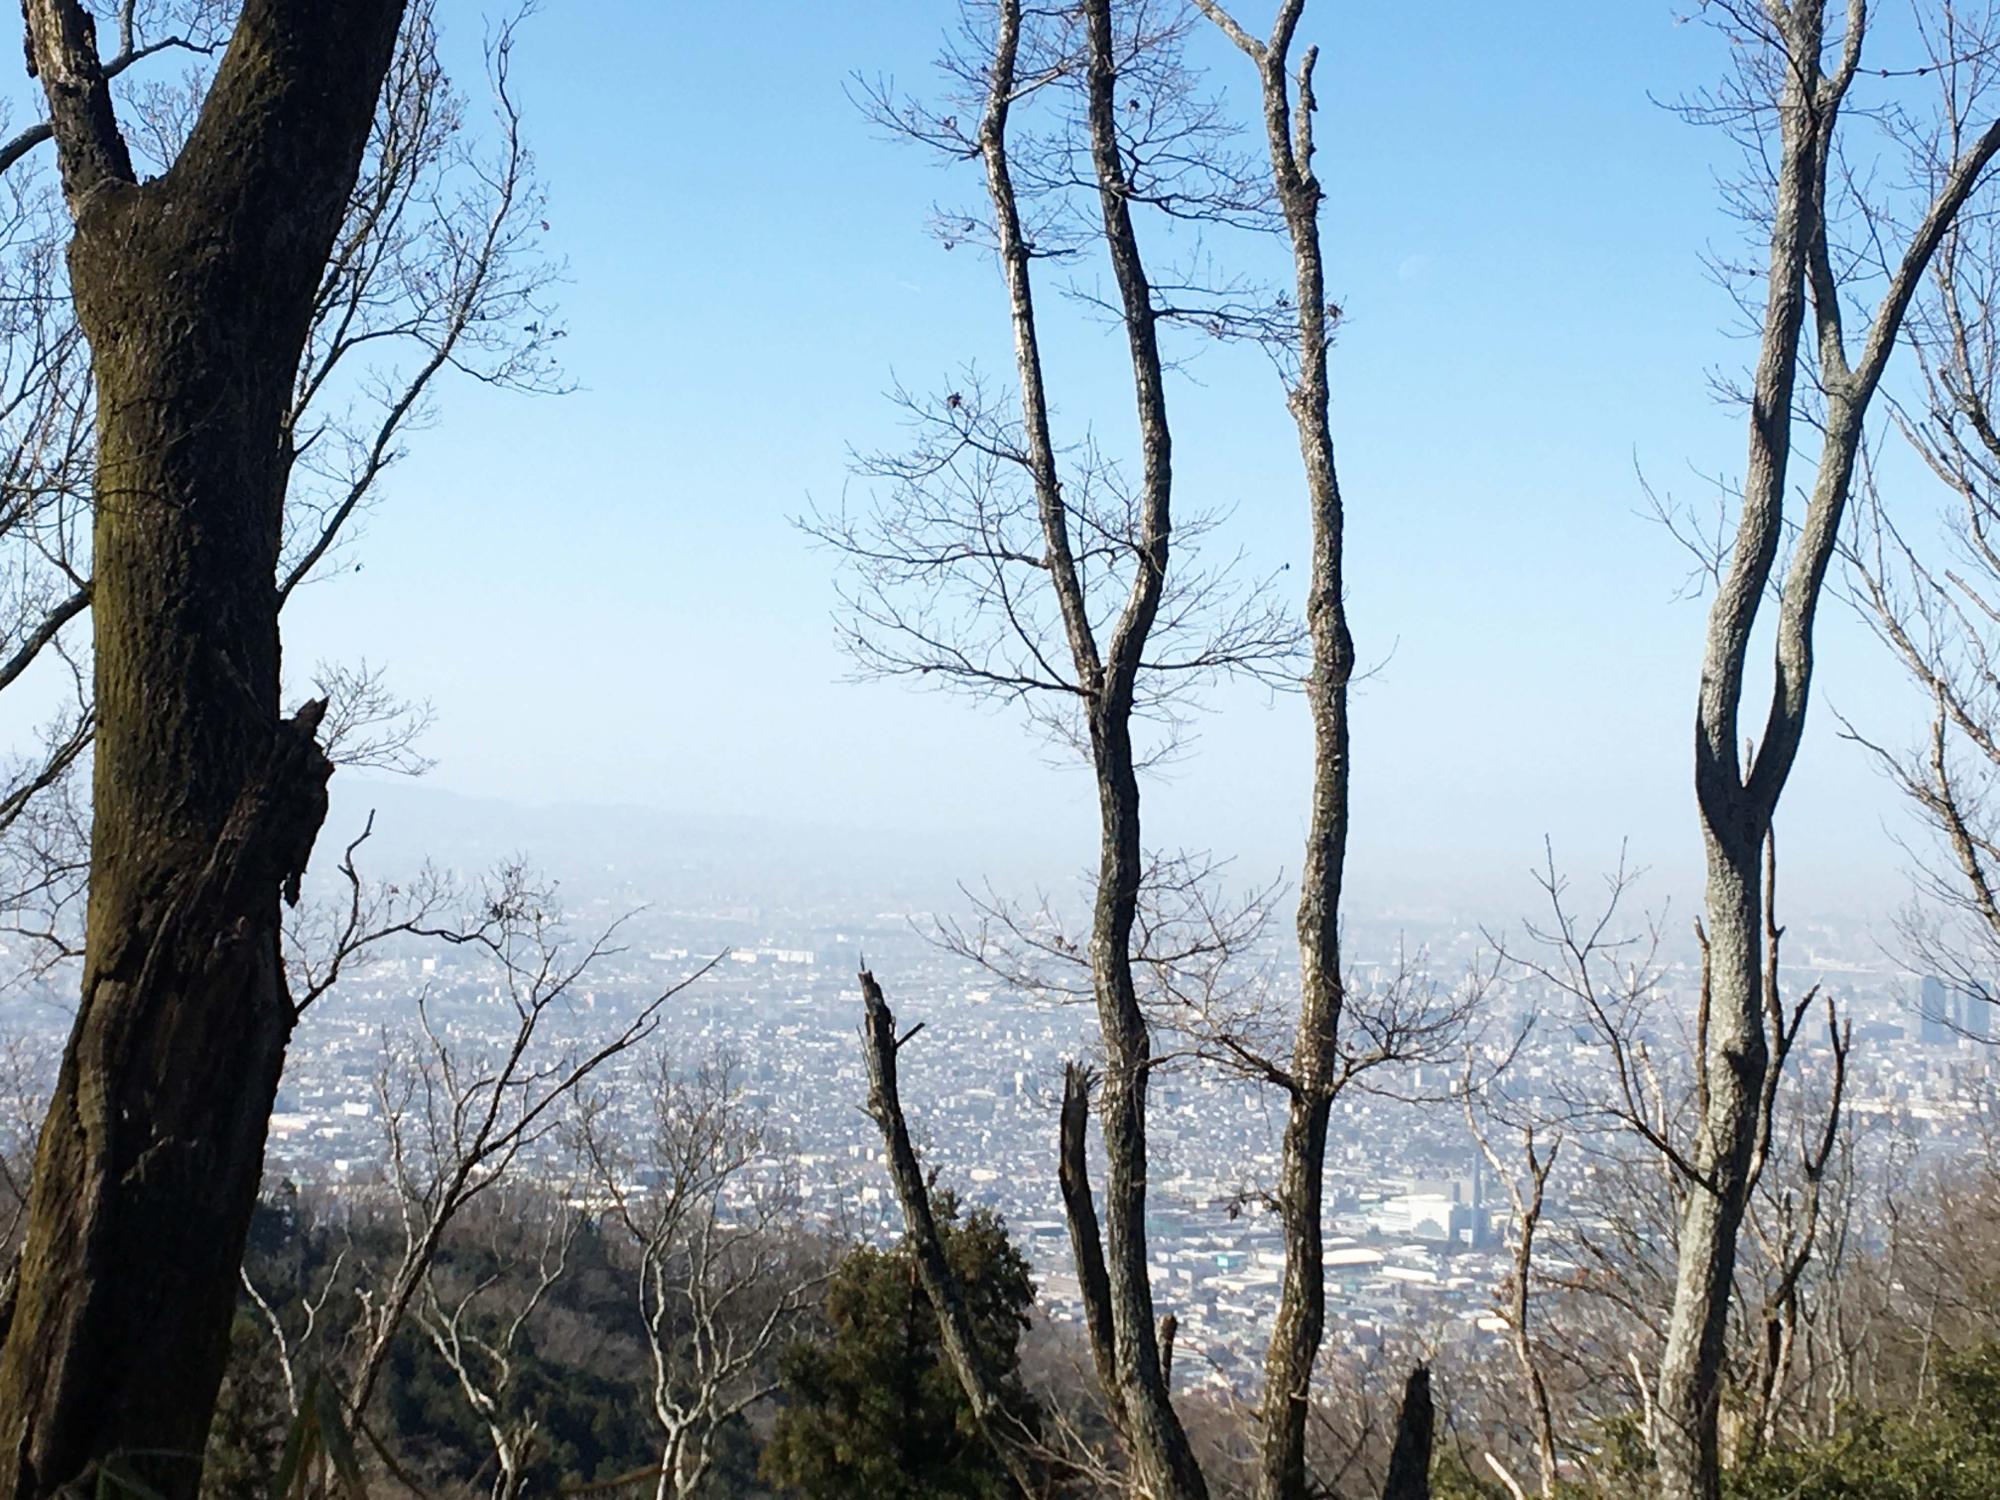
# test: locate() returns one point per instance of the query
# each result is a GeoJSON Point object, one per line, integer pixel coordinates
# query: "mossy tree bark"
{"type": "Point", "coordinates": [194, 290]}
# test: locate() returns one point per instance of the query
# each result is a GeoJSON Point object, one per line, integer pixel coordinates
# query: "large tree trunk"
{"type": "Point", "coordinates": [194, 291]}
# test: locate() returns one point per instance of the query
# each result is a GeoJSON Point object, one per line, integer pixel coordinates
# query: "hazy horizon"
{"type": "Point", "coordinates": [630, 617]}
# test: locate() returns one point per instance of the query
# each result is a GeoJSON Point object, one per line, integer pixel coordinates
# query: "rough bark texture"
{"type": "Point", "coordinates": [1312, 1078]}
{"type": "Point", "coordinates": [1086, 1236]}
{"type": "Point", "coordinates": [1301, 1321]}
{"type": "Point", "coordinates": [1733, 827]}
{"type": "Point", "coordinates": [1736, 806]}
{"type": "Point", "coordinates": [1158, 1444]}
{"type": "Point", "coordinates": [1123, 1326]}
{"type": "Point", "coordinates": [1015, 256]}
{"type": "Point", "coordinates": [194, 291]}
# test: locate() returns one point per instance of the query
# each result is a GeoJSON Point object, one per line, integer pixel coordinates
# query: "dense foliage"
{"type": "Point", "coordinates": [872, 1411]}
{"type": "Point", "coordinates": [1950, 1452]}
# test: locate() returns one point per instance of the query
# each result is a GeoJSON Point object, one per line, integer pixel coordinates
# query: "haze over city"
{"type": "Point", "coordinates": [975, 748]}
{"type": "Point", "coordinates": [1533, 659]}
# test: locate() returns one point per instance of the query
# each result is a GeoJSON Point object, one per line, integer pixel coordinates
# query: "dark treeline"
{"type": "Point", "coordinates": [858, 1399]}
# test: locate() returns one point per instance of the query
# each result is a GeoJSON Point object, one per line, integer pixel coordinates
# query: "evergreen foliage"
{"type": "Point", "coordinates": [873, 1410]}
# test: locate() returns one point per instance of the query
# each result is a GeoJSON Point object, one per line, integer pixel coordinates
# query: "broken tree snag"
{"type": "Point", "coordinates": [1410, 1460]}
{"type": "Point", "coordinates": [144, 1182]}
{"type": "Point", "coordinates": [62, 54]}
{"type": "Point", "coordinates": [195, 290]}
{"type": "Point", "coordinates": [1086, 1243]}
{"type": "Point", "coordinates": [999, 1427]}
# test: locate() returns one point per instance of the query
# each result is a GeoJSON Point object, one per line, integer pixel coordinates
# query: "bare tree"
{"type": "Point", "coordinates": [1796, 67]}
{"type": "Point", "coordinates": [1005, 567]}
{"type": "Point", "coordinates": [985, 584]}
{"type": "Point", "coordinates": [289, 1345]}
{"type": "Point", "coordinates": [27, 1074]}
{"type": "Point", "coordinates": [1790, 1226]}
{"type": "Point", "coordinates": [1526, 1191]}
{"type": "Point", "coordinates": [1314, 1075]}
{"type": "Point", "coordinates": [458, 1118]}
{"type": "Point", "coordinates": [1933, 604]}
{"type": "Point", "coordinates": [1635, 1113]}
{"type": "Point", "coordinates": [723, 1275]}
{"type": "Point", "coordinates": [477, 1315]}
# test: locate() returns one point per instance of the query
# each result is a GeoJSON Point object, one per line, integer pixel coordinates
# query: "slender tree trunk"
{"type": "Point", "coordinates": [512, 1482]}
{"type": "Point", "coordinates": [1301, 1321]}
{"type": "Point", "coordinates": [1541, 1410]}
{"type": "Point", "coordinates": [1158, 1444]}
{"type": "Point", "coordinates": [194, 290]}
{"type": "Point", "coordinates": [1690, 1371]}
{"type": "Point", "coordinates": [1313, 1077]}
{"type": "Point", "coordinates": [1086, 1241]}
{"type": "Point", "coordinates": [1113, 1263]}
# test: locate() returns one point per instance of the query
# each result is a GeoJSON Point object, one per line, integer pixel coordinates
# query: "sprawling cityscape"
{"type": "Point", "coordinates": [1417, 1227]}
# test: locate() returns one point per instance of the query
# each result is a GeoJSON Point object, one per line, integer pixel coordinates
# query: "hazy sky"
{"type": "Point", "coordinates": [604, 597]}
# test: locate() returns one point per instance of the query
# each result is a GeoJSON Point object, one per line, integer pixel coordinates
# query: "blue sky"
{"type": "Point", "coordinates": [604, 597]}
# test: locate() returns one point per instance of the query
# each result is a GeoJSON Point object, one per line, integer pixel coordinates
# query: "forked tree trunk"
{"type": "Point", "coordinates": [1157, 1442]}
{"type": "Point", "coordinates": [194, 291]}
{"type": "Point", "coordinates": [1737, 805]}
{"type": "Point", "coordinates": [1112, 1261]}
